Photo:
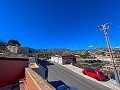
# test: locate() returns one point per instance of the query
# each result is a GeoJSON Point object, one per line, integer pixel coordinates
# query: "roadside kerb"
{"type": "Point", "coordinates": [111, 84]}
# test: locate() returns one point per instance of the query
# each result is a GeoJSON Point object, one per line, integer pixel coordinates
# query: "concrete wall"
{"type": "Point", "coordinates": [11, 70]}
{"type": "Point", "coordinates": [41, 71]}
{"type": "Point", "coordinates": [34, 81]}
{"type": "Point", "coordinates": [32, 60]}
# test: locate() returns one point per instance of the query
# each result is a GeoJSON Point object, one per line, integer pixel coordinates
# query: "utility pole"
{"type": "Point", "coordinates": [106, 27]}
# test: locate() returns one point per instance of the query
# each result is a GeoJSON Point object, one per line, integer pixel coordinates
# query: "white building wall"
{"type": "Point", "coordinates": [57, 59]}
{"type": "Point", "coordinates": [60, 61]}
{"type": "Point", "coordinates": [104, 58]}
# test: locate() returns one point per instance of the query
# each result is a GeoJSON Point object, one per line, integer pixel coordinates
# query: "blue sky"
{"type": "Point", "coordinates": [68, 24]}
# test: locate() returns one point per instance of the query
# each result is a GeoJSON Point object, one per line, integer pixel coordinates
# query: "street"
{"type": "Point", "coordinates": [57, 74]}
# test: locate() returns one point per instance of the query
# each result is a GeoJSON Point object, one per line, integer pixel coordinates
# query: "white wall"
{"type": "Point", "coordinates": [104, 58]}
{"type": "Point", "coordinates": [57, 59]}
{"type": "Point", "coordinates": [60, 61]}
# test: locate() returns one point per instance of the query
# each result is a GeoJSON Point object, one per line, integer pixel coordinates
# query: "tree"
{"type": "Point", "coordinates": [14, 43]}
{"type": "Point", "coordinates": [87, 54]}
{"type": "Point", "coordinates": [2, 43]}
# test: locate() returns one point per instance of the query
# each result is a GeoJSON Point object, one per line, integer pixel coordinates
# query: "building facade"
{"type": "Point", "coordinates": [66, 59]}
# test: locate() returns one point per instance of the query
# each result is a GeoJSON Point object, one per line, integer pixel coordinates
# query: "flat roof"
{"type": "Point", "coordinates": [14, 58]}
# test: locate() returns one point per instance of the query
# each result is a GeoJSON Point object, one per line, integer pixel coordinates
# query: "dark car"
{"type": "Point", "coordinates": [65, 87]}
{"type": "Point", "coordinates": [97, 74]}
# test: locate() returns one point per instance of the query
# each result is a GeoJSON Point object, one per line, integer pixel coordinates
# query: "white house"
{"type": "Point", "coordinates": [57, 59]}
{"type": "Point", "coordinates": [66, 59]}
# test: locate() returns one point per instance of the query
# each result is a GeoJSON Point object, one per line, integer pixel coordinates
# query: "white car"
{"type": "Point", "coordinates": [65, 87]}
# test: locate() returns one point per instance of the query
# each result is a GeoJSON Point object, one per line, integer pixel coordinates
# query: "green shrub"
{"type": "Point", "coordinates": [110, 74]}
{"type": "Point", "coordinates": [93, 61]}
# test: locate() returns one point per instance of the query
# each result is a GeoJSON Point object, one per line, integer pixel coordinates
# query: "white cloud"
{"type": "Point", "coordinates": [90, 46]}
{"type": "Point", "coordinates": [117, 47]}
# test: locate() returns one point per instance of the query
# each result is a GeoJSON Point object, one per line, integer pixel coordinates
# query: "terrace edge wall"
{"type": "Point", "coordinates": [11, 70]}
{"type": "Point", "coordinates": [34, 81]}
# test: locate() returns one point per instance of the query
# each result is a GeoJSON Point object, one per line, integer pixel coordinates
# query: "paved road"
{"type": "Point", "coordinates": [57, 74]}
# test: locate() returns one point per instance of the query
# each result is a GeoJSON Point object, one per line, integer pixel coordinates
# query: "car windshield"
{"type": "Point", "coordinates": [68, 88]}
{"type": "Point", "coordinates": [91, 70]}
{"type": "Point", "coordinates": [64, 87]}
{"type": "Point", "coordinates": [101, 73]}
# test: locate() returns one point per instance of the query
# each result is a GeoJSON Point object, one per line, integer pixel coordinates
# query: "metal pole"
{"type": "Point", "coordinates": [105, 27]}
{"type": "Point", "coordinates": [109, 47]}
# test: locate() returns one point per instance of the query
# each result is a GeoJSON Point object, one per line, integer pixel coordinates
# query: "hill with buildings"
{"type": "Point", "coordinates": [11, 47]}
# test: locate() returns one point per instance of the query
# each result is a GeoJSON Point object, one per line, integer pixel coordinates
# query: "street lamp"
{"type": "Point", "coordinates": [106, 27]}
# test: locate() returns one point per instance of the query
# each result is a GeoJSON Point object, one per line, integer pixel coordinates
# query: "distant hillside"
{"type": "Point", "coordinates": [51, 52]}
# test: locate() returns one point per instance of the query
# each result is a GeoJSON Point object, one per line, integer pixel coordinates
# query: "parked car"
{"type": "Point", "coordinates": [97, 74]}
{"type": "Point", "coordinates": [65, 87]}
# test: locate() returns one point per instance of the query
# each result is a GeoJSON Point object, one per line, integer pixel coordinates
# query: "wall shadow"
{"type": "Point", "coordinates": [43, 64]}
{"type": "Point", "coordinates": [56, 84]}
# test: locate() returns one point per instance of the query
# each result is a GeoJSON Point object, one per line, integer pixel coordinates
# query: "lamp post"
{"type": "Point", "coordinates": [106, 27]}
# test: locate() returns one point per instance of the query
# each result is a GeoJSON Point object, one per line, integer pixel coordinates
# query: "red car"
{"type": "Point", "coordinates": [97, 74]}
